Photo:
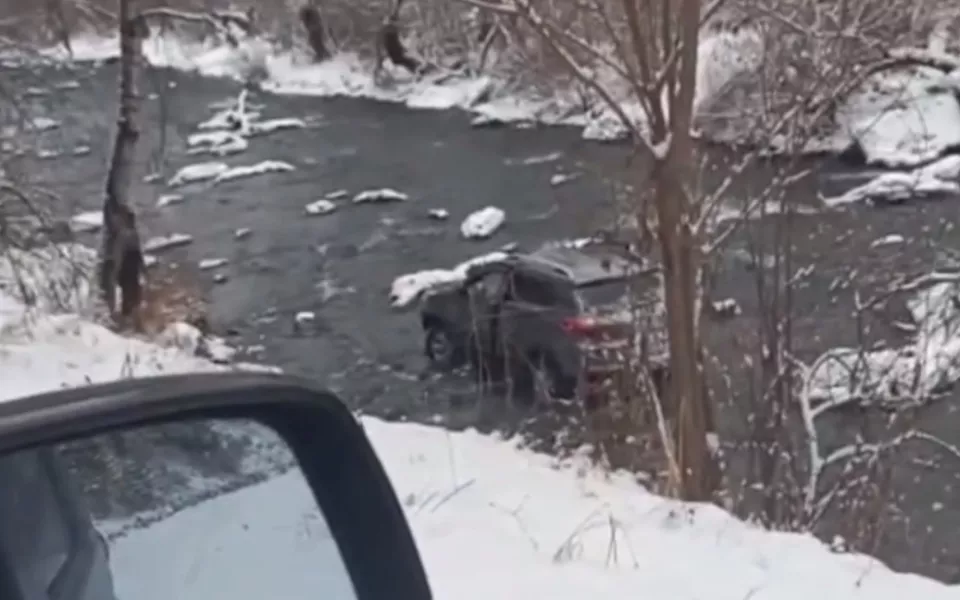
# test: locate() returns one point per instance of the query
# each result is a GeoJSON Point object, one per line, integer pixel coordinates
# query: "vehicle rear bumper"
{"type": "Point", "coordinates": [603, 372]}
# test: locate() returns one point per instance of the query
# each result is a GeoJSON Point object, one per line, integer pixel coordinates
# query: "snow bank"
{"type": "Point", "coordinates": [722, 57]}
{"type": "Point", "coordinates": [902, 118]}
{"type": "Point", "coordinates": [490, 520]}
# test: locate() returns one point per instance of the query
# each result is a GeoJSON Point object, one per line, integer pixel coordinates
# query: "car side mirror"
{"type": "Point", "coordinates": [221, 485]}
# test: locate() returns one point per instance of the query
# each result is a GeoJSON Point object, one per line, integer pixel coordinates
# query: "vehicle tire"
{"type": "Point", "coordinates": [441, 349]}
{"type": "Point", "coordinates": [548, 380]}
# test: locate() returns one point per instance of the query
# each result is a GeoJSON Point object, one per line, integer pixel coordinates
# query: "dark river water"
{"type": "Point", "coordinates": [341, 265]}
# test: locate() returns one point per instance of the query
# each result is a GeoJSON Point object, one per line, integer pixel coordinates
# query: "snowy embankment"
{"type": "Point", "coordinates": [901, 119]}
{"type": "Point", "coordinates": [491, 520]}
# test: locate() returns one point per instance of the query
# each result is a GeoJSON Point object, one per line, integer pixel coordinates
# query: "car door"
{"type": "Point", "coordinates": [532, 315]}
{"type": "Point", "coordinates": [486, 300]}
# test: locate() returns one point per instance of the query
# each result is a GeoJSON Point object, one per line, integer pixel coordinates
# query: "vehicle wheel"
{"type": "Point", "coordinates": [548, 380]}
{"type": "Point", "coordinates": [442, 350]}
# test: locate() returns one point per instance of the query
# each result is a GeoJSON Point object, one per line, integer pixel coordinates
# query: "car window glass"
{"type": "Point", "coordinates": [34, 531]}
{"type": "Point", "coordinates": [493, 286]}
{"type": "Point", "coordinates": [534, 291]}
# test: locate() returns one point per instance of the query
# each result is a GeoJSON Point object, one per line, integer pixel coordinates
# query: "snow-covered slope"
{"type": "Point", "coordinates": [491, 520]}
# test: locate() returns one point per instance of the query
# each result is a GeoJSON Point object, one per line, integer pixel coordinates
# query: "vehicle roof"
{"type": "Point", "coordinates": [576, 265]}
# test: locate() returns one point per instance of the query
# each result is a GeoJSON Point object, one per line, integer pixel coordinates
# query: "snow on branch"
{"type": "Point", "coordinates": [908, 376]}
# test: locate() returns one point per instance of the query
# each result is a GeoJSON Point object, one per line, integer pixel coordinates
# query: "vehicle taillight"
{"type": "Point", "coordinates": [580, 326]}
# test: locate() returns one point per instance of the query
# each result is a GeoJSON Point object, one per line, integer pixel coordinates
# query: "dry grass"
{"type": "Point", "coordinates": [170, 295]}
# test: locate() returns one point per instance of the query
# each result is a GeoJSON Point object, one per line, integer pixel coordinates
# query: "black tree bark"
{"type": "Point", "coordinates": [121, 258]}
{"type": "Point", "coordinates": [313, 25]}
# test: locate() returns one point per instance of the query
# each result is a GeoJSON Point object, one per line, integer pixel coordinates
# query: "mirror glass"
{"type": "Point", "coordinates": [202, 510]}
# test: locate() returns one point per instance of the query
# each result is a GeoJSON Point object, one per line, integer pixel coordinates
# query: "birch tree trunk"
{"type": "Point", "coordinates": [121, 259]}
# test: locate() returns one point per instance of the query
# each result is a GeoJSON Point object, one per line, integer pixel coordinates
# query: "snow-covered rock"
{"type": "Point", "coordinates": [380, 195]}
{"type": "Point", "coordinates": [483, 223]}
{"type": "Point", "coordinates": [198, 172]}
{"type": "Point", "coordinates": [165, 242]}
{"type": "Point", "coordinates": [208, 264]}
{"type": "Point", "coordinates": [86, 221]}
{"type": "Point", "coordinates": [169, 199]}
{"type": "Point", "coordinates": [320, 207]}
{"type": "Point", "coordinates": [260, 168]}
{"type": "Point", "coordinates": [271, 125]}
{"type": "Point", "coordinates": [221, 143]}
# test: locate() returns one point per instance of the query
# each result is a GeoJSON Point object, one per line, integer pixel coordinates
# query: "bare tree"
{"type": "Point", "coordinates": [656, 51]}
{"type": "Point", "coordinates": [121, 255]}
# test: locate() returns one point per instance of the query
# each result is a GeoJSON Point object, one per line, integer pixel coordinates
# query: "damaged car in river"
{"type": "Point", "coordinates": [558, 322]}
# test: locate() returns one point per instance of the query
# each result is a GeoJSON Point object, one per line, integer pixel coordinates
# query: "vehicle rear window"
{"type": "Point", "coordinates": [600, 295]}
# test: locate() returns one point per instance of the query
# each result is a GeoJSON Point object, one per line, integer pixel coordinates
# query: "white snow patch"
{"type": "Point", "coordinates": [410, 287]}
{"type": "Point", "coordinates": [887, 240]}
{"type": "Point", "coordinates": [169, 199]}
{"type": "Point", "coordinates": [304, 316]}
{"type": "Point", "coordinates": [86, 221]}
{"type": "Point", "coordinates": [483, 223]}
{"type": "Point", "coordinates": [271, 125]}
{"type": "Point", "coordinates": [198, 172]}
{"type": "Point", "coordinates": [208, 264]}
{"type": "Point", "coordinates": [439, 214]}
{"type": "Point", "coordinates": [562, 178]}
{"type": "Point", "coordinates": [44, 124]}
{"type": "Point", "coordinates": [242, 233]}
{"type": "Point", "coordinates": [221, 143]}
{"type": "Point", "coordinates": [165, 242]}
{"type": "Point", "coordinates": [320, 207]}
{"type": "Point", "coordinates": [261, 168]}
{"type": "Point", "coordinates": [336, 194]}
{"type": "Point", "coordinates": [380, 195]}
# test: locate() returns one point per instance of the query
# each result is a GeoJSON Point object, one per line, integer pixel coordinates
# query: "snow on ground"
{"type": "Point", "coordinates": [490, 520]}
{"type": "Point", "coordinates": [483, 223]}
{"type": "Point", "coordinates": [902, 118]}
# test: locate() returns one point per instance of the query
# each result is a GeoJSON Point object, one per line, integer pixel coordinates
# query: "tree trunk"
{"type": "Point", "coordinates": [121, 260]}
{"type": "Point", "coordinates": [680, 249]}
{"type": "Point", "coordinates": [394, 50]}
{"type": "Point", "coordinates": [313, 25]}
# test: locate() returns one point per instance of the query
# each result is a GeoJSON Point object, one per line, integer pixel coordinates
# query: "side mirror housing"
{"type": "Point", "coordinates": [337, 460]}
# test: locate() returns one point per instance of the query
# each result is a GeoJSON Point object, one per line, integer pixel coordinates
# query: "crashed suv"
{"type": "Point", "coordinates": [552, 320]}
